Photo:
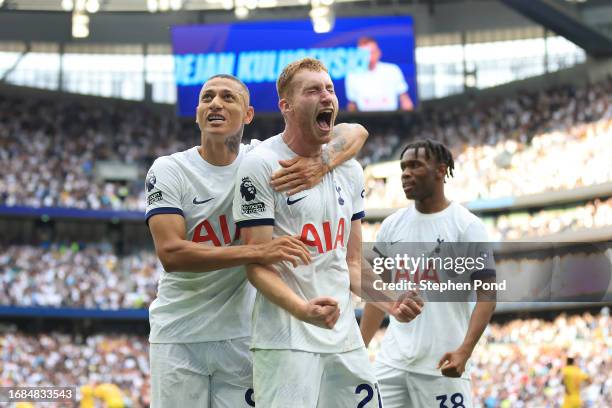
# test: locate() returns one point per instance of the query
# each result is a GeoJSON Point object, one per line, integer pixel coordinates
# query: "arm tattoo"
{"type": "Point", "coordinates": [326, 159]}
{"type": "Point", "coordinates": [338, 144]}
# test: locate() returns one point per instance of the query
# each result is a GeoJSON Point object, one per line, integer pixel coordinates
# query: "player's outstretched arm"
{"type": "Point", "coordinates": [302, 173]}
{"type": "Point", "coordinates": [178, 254]}
{"type": "Point", "coordinates": [321, 311]}
{"type": "Point", "coordinates": [452, 364]}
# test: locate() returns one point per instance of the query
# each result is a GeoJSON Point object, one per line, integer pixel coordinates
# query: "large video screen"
{"type": "Point", "coordinates": [370, 60]}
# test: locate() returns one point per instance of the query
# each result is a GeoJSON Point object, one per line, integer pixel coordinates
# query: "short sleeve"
{"type": "Point", "coordinates": [479, 248]}
{"type": "Point", "coordinates": [250, 146]}
{"type": "Point", "coordinates": [163, 189]}
{"type": "Point", "coordinates": [253, 196]}
{"type": "Point", "coordinates": [400, 83]}
{"type": "Point", "coordinates": [358, 191]}
{"type": "Point", "coordinates": [380, 247]}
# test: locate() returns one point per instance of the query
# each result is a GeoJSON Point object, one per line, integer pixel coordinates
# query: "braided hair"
{"type": "Point", "coordinates": [435, 149]}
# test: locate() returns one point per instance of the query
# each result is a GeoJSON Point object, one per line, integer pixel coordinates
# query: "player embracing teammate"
{"type": "Point", "coordinates": [307, 348]}
{"type": "Point", "coordinates": [201, 318]}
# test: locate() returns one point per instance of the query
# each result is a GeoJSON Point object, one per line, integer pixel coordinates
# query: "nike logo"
{"type": "Point", "coordinates": [196, 202]}
{"type": "Point", "coordinates": [394, 242]}
{"type": "Point", "coordinates": [291, 202]}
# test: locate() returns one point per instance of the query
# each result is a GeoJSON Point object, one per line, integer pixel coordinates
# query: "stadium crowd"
{"type": "Point", "coordinates": [521, 225]}
{"type": "Point", "coordinates": [516, 364]}
{"type": "Point", "coordinates": [68, 276]}
{"type": "Point", "coordinates": [55, 359]}
{"type": "Point", "coordinates": [520, 145]}
{"type": "Point", "coordinates": [512, 169]}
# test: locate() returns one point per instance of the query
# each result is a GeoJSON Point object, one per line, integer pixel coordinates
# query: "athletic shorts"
{"type": "Point", "coordinates": [299, 379]}
{"type": "Point", "coordinates": [215, 374]}
{"type": "Point", "coordinates": [406, 389]}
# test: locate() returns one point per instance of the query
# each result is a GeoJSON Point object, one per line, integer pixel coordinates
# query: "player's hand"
{"type": "Point", "coordinates": [322, 311]}
{"type": "Point", "coordinates": [286, 248]}
{"type": "Point", "coordinates": [452, 364]}
{"type": "Point", "coordinates": [298, 174]}
{"type": "Point", "coordinates": [407, 307]}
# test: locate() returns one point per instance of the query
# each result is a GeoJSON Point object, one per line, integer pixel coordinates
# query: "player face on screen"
{"type": "Point", "coordinates": [223, 107]}
{"type": "Point", "coordinates": [420, 174]}
{"type": "Point", "coordinates": [372, 47]}
{"type": "Point", "coordinates": [314, 105]}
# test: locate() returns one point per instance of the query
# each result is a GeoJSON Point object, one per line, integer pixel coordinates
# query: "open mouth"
{"type": "Point", "coordinates": [324, 120]}
{"type": "Point", "coordinates": [215, 118]}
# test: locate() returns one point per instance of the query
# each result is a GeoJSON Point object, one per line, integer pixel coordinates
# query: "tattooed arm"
{"type": "Point", "coordinates": [302, 173]}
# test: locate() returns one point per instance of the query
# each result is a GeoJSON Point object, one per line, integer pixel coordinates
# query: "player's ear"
{"type": "Point", "coordinates": [441, 170]}
{"type": "Point", "coordinates": [250, 114]}
{"type": "Point", "coordinates": [284, 106]}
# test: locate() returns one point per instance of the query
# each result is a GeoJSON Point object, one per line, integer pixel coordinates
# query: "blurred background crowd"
{"type": "Point", "coordinates": [516, 363]}
{"type": "Point", "coordinates": [525, 144]}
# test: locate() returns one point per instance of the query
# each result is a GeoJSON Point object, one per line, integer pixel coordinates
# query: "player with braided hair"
{"type": "Point", "coordinates": [422, 363]}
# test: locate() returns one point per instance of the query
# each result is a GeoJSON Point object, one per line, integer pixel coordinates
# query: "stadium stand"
{"type": "Point", "coordinates": [51, 149]}
{"type": "Point", "coordinates": [522, 225]}
{"type": "Point", "coordinates": [69, 276]}
{"type": "Point", "coordinates": [516, 364]}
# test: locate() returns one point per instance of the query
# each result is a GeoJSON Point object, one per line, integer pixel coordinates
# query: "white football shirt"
{"type": "Point", "coordinates": [378, 89]}
{"type": "Point", "coordinates": [322, 217]}
{"type": "Point", "coordinates": [441, 327]}
{"type": "Point", "coordinates": [209, 306]}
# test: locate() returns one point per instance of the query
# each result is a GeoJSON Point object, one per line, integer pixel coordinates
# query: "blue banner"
{"type": "Point", "coordinates": [370, 60]}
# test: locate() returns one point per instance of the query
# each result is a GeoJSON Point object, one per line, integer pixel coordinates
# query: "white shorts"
{"type": "Point", "coordinates": [215, 374]}
{"type": "Point", "coordinates": [405, 389]}
{"type": "Point", "coordinates": [299, 379]}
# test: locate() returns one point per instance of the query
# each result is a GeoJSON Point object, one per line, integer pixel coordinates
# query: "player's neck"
{"type": "Point", "coordinates": [294, 138]}
{"type": "Point", "coordinates": [432, 204]}
{"type": "Point", "coordinates": [219, 152]}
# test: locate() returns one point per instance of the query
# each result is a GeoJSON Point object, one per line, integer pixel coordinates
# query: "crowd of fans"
{"type": "Point", "coordinates": [56, 359]}
{"type": "Point", "coordinates": [595, 214]}
{"type": "Point", "coordinates": [49, 150]}
{"type": "Point", "coordinates": [523, 225]}
{"type": "Point", "coordinates": [524, 144]}
{"type": "Point", "coordinates": [516, 364]}
{"type": "Point", "coordinates": [68, 276]}
{"type": "Point", "coordinates": [554, 161]}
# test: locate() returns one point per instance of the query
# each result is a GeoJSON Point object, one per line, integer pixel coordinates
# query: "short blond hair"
{"type": "Point", "coordinates": [283, 83]}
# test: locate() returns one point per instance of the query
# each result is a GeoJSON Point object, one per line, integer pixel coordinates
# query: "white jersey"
{"type": "Point", "coordinates": [322, 217]}
{"type": "Point", "coordinates": [441, 327]}
{"type": "Point", "coordinates": [197, 307]}
{"type": "Point", "coordinates": [378, 89]}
